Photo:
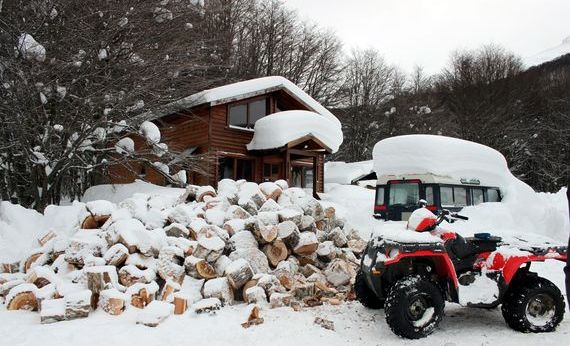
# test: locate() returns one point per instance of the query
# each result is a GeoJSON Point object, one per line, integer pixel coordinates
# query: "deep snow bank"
{"type": "Point", "coordinates": [119, 192]}
{"type": "Point", "coordinates": [339, 172]}
{"type": "Point", "coordinates": [521, 211]}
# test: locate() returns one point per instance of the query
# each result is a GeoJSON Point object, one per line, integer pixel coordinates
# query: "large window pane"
{"type": "Point", "coordinates": [493, 195]}
{"type": "Point", "coordinates": [257, 110]}
{"type": "Point", "coordinates": [380, 196]}
{"type": "Point", "coordinates": [476, 196]}
{"type": "Point", "coordinates": [296, 176]}
{"type": "Point", "coordinates": [446, 196]}
{"type": "Point", "coordinates": [226, 168]}
{"type": "Point", "coordinates": [404, 194]}
{"type": "Point", "coordinates": [244, 169]}
{"type": "Point", "coordinates": [429, 195]}
{"type": "Point", "coordinates": [238, 115]}
{"type": "Point", "coordinates": [460, 194]}
{"type": "Point", "coordinates": [309, 178]}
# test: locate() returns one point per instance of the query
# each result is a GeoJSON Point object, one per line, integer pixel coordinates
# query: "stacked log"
{"type": "Point", "coordinates": [265, 244]}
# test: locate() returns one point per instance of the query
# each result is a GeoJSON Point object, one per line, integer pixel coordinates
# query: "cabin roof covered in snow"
{"type": "Point", "coordinates": [280, 129]}
{"type": "Point", "coordinates": [239, 91]}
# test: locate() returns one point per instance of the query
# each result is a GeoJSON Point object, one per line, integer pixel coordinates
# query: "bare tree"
{"type": "Point", "coordinates": [72, 72]}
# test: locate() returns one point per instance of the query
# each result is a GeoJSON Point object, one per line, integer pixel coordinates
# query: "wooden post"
{"type": "Point", "coordinates": [315, 175]}
{"type": "Point", "coordinates": [288, 166]}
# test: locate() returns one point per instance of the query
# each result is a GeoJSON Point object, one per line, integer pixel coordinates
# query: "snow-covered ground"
{"type": "Point", "coordinates": [354, 324]}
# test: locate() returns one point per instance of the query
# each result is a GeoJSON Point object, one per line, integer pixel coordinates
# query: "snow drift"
{"type": "Point", "coordinates": [339, 172]}
{"type": "Point", "coordinates": [278, 129]}
{"type": "Point", "coordinates": [521, 210]}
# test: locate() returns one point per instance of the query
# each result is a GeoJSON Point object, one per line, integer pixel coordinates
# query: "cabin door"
{"type": "Point", "coordinates": [272, 171]}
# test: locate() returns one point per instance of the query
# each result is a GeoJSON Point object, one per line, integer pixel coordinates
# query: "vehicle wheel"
{"type": "Point", "coordinates": [535, 305]}
{"type": "Point", "coordinates": [364, 294]}
{"type": "Point", "coordinates": [414, 307]}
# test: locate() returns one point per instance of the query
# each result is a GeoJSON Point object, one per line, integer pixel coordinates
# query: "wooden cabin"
{"type": "Point", "coordinates": [221, 122]}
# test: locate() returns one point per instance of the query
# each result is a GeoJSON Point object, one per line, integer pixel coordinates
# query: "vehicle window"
{"type": "Point", "coordinates": [446, 196]}
{"type": "Point", "coordinates": [404, 194]}
{"type": "Point", "coordinates": [493, 195]}
{"type": "Point", "coordinates": [460, 196]}
{"type": "Point", "coordinates": [477, 196]}
{"type": "Point", "coordinates": [379, 195]}
{"type": "Point", "coordinates": [429, 195]}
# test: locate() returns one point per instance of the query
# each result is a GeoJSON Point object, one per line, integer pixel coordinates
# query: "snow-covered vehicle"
{"type": "Point", "coordinates": [397, 195]}
{"type": "Point", "coordinates": [412, 270]}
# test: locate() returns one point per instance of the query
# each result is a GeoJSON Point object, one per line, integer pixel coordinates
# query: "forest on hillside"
{"type": "Point", "coordinates": [104, 62]}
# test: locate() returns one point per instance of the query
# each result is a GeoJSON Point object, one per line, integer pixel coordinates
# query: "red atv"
{"type": "Point", "coordinates": [412, 272]}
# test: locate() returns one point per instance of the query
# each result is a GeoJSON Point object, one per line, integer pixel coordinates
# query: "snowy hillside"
{"type": "Point", "coordinates": [549, 54]}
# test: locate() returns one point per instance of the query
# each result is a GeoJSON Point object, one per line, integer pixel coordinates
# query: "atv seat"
{"type": "Point", "coordinates": [464, 251]}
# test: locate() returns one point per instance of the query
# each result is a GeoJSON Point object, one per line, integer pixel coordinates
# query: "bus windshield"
{"type": "Point", "coordinates": [404, 194]}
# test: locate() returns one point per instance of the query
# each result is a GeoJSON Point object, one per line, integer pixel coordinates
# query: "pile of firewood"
{"type": "Point", "coordinates": [264, 244]}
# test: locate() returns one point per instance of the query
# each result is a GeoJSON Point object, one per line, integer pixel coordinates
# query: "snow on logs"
{"type": "Point", "coordinates": [266, 244]}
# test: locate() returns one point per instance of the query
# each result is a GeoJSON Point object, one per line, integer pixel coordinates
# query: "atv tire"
{"type": "Point", "coordinates": [364, 294]}
{"type": "Point", "coordinates": [414, 307]}
{"type": "Point", "coordinates": [533, 305]}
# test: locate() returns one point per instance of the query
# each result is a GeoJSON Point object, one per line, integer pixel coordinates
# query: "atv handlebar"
{"type": "Point", "coordinates": [449, 217]}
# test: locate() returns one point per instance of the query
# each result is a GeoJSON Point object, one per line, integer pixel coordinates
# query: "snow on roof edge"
{"type": "Point", "coordinates": [238, 91]}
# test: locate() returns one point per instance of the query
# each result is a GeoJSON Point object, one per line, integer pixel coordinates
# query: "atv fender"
{"type": "Point", "coordinates": [511, 265]}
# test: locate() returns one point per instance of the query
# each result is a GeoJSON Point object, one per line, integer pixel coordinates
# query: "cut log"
{"type": "Point", "coordinates": [270, 284]}
{"type": "Point", "coordinates": [357, 246]}
{"type": "Point", "coordinates": [238, 273]}
{"type": "Point", "coordinates": [258, 198]}
{"type": "Point", "coordinates": [307, 245]}
{"type": "Point", "coordinates": [116, 255]}
{"type": "Point", "coordinates": [330, 213]}
{"type": "Point", "coordinates": [289, 233]}
{"type": "Point", "coordinates": [313, 208]}
{"type": "Point", "coordinates": [22, 297]}
{"type": "Point", "coordinates": [198, 268]}
{"type": "Point", "coordinates": [285, 277]}
{"type": "Point", "coordinates": [155, 313]}
{"type": "Point", "coordinates": [219, 288]}
{"type": "Point", "coordinates": [180, 304]}
{"type": "Point", "coordinates": [209, 248]}
{"type": "Point", "coordinates": [10, 267]}
{"type": "Point", "coordinates": [255, 295]}
{"type": "Point", "coordinates": [254, 256]}
{"type": "Point", "coordinates": [97, 281]}
{"type": "Point", "coordinates": [249, 284]}
{"type": "Point", "coordinates": [46, 237]}
{"type": "Point", "coordinates": [77, 304]}
{"type": "Point", "coordinates": [52, 310]}
{"type": "Point", "coordinates": [308, 224]}
{"type": "Point", "coordinates": [189, 195]}
{"type": "Point", "coordinates": [167, 294]}
{"type": "Point", "coordinates": [221, 265]}
{"type": "Point", "coordinates": [176, 230]}
{"type": "Point", "coordinates": [327, 251]}
{"type": "Point", "coordinates": [204, 191]}
{"type": "Point", "coordinates": [293, 215]}
{"type": "Point", "coordinates": [36, 257]}
{"type": "Point", "coordinates": [277, 300]}
{"type": "Point", "coordinates": [301, 290]}
{"type": "Point", "coordinates": [234, 226]}
{"type": "Point", "coordinates": [270, 190]}
{"type": "Point", "coordinates": [208, 305]}
{"type": "Point", "coordinates": [338, 272]}
{"type": "Point", "coordinates": [236, 212]}
{"type": "Point", "coordinates": [112, 302]}
{"type": "Point", "coordinates": [130, 275]}
{"type": "Point", "coordinates": [253, 319]}
{"type": "Point", "coordinates": [170, 264]}
{"type": "Point", "coordinates": [275, 252]}
{"type": "Point", "coordinates": [326, 324]}
{"type": "Point", "coordinates": [338, 237]}
{"type": "Point", "coordinates": [243, 240]}
{"type": "Point", "coordinates": [265, 233]}
{"type": "Point", "coordinates": [143, 295]}
{"type": "Point", "coordinates": [94, 221]}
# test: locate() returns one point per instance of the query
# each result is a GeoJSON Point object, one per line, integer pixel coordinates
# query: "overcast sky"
{"type": "Point", "coordinates": [424, 32]}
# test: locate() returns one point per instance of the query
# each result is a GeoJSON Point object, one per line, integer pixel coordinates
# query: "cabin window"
{"type": "Point", "coordinates": [246, 114]}
{"type": "Point", "coordinates": [272, 171]}
{"type": "Point", "coordinates": [302, 176]}
{"type": "Point", "coordinates": [232, 168]}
